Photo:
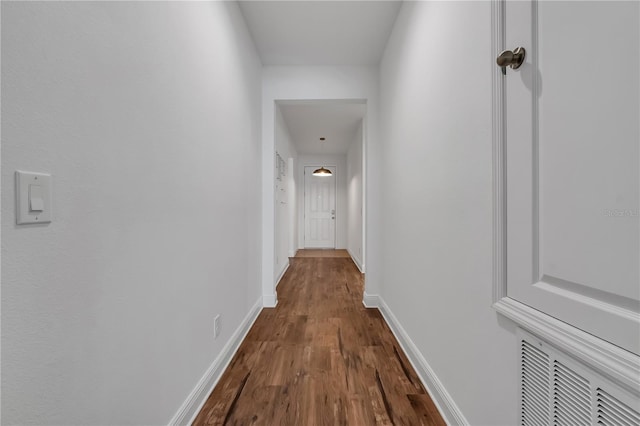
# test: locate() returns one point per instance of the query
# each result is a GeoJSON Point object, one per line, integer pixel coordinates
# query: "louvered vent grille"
{"type": "Point", "coordinates": [535, 386]}
{"type": "Point", "coordinates": [611, 411]}
{"type": "Point", "coordinates": [560, 391]}
{"type": "Point", "coordinates": [571, 397]}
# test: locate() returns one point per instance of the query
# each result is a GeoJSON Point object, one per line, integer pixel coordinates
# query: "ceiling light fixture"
{"type": "Point", "coordinates": [321, 172]}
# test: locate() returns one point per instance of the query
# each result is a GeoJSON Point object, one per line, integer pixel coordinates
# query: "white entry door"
{"type": "Point", "coordinates": [572, 159]}
{"type": "Point", "coordinates": [319, 209]}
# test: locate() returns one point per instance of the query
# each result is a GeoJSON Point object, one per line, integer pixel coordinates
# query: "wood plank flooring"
{"type": "Point", "coordinates": [319, 358]}
{"type": "Point", "coordinates": [322, 253]}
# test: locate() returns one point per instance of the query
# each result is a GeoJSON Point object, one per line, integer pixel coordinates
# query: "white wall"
{"type": "Point", "coordinates": [437, 203]}
{"type": "Point", "coordinates": [340, 163]}
{"type": "Point", "coordinates": [354, 199]}
{"type": "Point", "coordinates": [148, 117]}
{"type": "Point", "coordinates": [319, 83]}
{"type": "Point", "coordinates": [285, 195]}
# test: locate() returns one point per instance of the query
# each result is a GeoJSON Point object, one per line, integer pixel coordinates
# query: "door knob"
{"type": "Point", "coordinates": [511, 59]}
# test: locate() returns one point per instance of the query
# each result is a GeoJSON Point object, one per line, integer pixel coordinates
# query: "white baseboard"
{"type": "Point", "coordinates": [292, 253]}
{"type": "Point", "coordinates": [357, 261]}
{"type": "Point", "coordinates": [198, 396]}
{"type": "Point", "coordinates": [270, 300]}
{"type": "Point", "coordinates": [445, 403]}
{"type": "Point", "coordinates": [370, 300]}
{"type": "Point", "coordinates": [281, 274]}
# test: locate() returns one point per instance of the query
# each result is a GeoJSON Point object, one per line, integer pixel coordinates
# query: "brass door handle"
{"type": "Point", "coordinates": [511, 59]}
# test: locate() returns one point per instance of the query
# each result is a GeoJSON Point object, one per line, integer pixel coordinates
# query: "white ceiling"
{"type": "Point", "coordinates": [324, 32]}
{"type": "Point", "coordinates": [309, 121]}
{"type": "Point", "coordinates": [320, 32]}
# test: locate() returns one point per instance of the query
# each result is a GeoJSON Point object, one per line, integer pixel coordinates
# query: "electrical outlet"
{"type": "Point", "coordinates": [216, 326]}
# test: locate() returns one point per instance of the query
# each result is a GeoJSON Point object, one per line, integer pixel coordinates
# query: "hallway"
{"type": "Point", "coordinates": [157, 169]}
{"type": "Point", "coordinates": [320, 357]}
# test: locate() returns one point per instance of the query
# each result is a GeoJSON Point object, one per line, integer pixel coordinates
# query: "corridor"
{"type": "Point", "coordinates": [320, 357]}
{"type": "Point", "coordinates": [162, 166]}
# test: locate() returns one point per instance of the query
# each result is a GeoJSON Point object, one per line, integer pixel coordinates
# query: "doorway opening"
{"type": "Point", "coordinates": [319, 212]}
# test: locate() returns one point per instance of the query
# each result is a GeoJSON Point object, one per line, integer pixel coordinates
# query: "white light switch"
{"type": "Point", "coordinates": [36, 203]}
{"type": "Point", "coordinates": [33, 198]}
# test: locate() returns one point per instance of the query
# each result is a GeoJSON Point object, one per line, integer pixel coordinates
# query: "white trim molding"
{"type": "Point", "coordinates": [284, 271]}
{"type": "Point", "coordinates": [370, 300]}
{"type": "Point", "coordinates": [441, 398]}
{"type": "Point", "coordinates": [499, 157]}
{"type": "Point", "coordinates": [270, 300]}
{"type": "Point", "coordinates": [620, 366]}
{"type": "Point", "coordinates": [198, 396]}
{"type": "Point", "coordinates": [356, 261]}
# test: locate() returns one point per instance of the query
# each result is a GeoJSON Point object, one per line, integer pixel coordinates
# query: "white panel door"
{"type": "Point", "coordinates": [572, 159]}
{"type": "Point", "coordinates": [319, 209]}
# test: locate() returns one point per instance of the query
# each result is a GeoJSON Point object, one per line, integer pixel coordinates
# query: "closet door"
{"type": "Point", "coordinates": [572, 159]}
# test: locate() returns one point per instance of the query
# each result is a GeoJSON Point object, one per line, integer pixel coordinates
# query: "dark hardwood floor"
{"type": "Point", "coordinates": [319, 358]}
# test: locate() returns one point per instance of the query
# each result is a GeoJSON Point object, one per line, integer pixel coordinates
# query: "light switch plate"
{"type": "Point", "coordinates": [41, 192]}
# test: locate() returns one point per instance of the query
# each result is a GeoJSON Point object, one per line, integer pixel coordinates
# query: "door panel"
{"type": "Point", "coordinates": [319, 209]}
{"type": "Point", "coordinates": [572, 143]}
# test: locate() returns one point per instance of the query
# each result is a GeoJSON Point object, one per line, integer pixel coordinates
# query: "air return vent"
{"type": "Point", "coordinates": [535, 385]}
{"type": "Point", "coordinates": [571, 397]}
{"type": "Point", "coordinates": [558, 390]}
{"type": "Point", "coordinates": [611, 411]}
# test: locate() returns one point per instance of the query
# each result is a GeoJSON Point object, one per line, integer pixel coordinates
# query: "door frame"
{"type": "Point", "coordinates": [355, 89]}
{"type": "Point", "coordinates": [302, 205]}
{"type": "Point", "coordinates": [615, 363]}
